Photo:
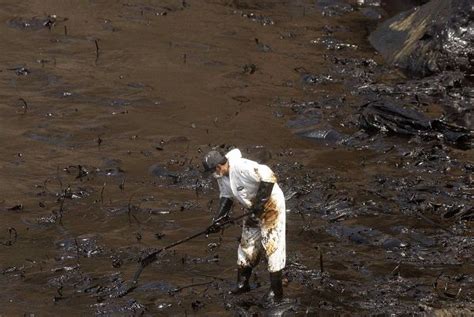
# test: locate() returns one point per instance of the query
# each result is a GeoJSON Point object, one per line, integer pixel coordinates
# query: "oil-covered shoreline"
{"type": "Point", "coordinates": [107, 109]}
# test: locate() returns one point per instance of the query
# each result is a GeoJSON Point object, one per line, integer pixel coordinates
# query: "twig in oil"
{"type": "Point", "coordinates": [122, 185]}
{"type": "Point", "coordinates": [179, 289]}
{"type": "Point", "coordinates": [102, 194]}
{"type": "Point", "coordinates": [97, 50]}
{"type": "Point", "coordinates": [99, 141]}
{"type": "Point", "coordinates": [321, 262]}
{"type": "Point", "coordinates": [25, 105]}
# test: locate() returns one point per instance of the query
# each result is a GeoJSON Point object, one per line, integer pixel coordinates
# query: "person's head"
{"type": "Point", "coordinates": [215, 162]}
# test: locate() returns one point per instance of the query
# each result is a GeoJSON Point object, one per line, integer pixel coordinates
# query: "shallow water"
{"type": "Point", "coordinates": [107, 108]}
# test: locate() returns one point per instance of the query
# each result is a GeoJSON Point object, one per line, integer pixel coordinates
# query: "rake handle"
{"type": "Point", "coordinates": [150, 258]}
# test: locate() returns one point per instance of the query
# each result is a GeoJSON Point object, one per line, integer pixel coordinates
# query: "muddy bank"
{"type": "Point", "coordinates": [107, 109]}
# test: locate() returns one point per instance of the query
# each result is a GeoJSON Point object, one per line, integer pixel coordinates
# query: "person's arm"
{"type": "Point", "coordinates": [266, 179]}
{"type": "Point", "coordinates": [264, 192]}
{"type": "Point", "coordinates": [225, 198]}
{"type": "Point", "coordinates": [225, 204]}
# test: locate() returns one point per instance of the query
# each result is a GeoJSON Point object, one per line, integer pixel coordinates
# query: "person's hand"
{"type": "Point", "coordinates": [256, 211]}
{"type": "Point", "coordinates": [217, 225]}
{"type": "Point", "coordinates": [214, 228]}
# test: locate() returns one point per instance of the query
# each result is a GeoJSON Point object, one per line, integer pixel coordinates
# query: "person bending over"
{"type": "Point", "coordinates": [254, 186]}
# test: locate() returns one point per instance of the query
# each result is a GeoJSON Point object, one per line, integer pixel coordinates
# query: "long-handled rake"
{"type": "Point", "coordinates": [151, 257]}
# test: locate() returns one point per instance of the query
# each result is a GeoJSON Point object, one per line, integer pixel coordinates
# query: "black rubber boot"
{"type": "Point", "coordinates": [275, 294]}
{"type": "Point", "coordinates": [243, 280]}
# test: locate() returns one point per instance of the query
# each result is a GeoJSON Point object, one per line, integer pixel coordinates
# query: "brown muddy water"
{"type": "Point", "coordinates": [106, 109]}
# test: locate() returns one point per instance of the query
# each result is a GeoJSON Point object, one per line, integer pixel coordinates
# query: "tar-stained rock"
{"type": "Point", "coordinates": [395, 119]}
{"type": "Point", "coordinates": [158, 170]}
{"type": "Point", "coordinates": [327, 136]}
{"type": "Point", "coordinates": [119, 308]}
{"type": "Point", "coordinates": [259, 153]}
{"type": "Point", "coordinates": [249, 68]}
{"type": "Point", "coordinates": [330, 43]}
{"type": "Point", "coordinates": [357, 234]}
{"type": "Point", "coordinates": [83, 246]}
{"type": "Point", "coordinates": [373, 13]}
{"type": "Point", "coordinates": [20, 71]}
{"type": "Point", "coordinates": [262, 47]}
{"type": "Point", "coordinates": [263, 20]}
{"type": "Point", "coordinates": [311, 79]}
{"type": "Point", "coordinates": [52, 138]}
{"type": "Point", "coordinates": [431, 47]}
{"type": "Point", "coordinates": [246, 4]}
{"type": "Point", "coordinates": [334, 7]}
{"type": "Point", "coordinates": [34, 24]}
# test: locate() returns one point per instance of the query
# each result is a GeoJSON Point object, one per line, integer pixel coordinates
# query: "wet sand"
{"type": "Point", "coordinates": [106, 114]}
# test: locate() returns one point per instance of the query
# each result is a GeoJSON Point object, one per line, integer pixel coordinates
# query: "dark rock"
{"type": "Point", "coordinates": [244, 4]}
{"type": "Point", "coordinates": [86, 245]}
{"type": "Point", "coordinates": [52, 138]}
{"type": "Point", "coordinates": [34, 23]}
{"type": "Point", "coordinates": [311, 79]}
{"type": "Point", "coordinates": [392, 118]}
{"type": "Point", "coordinates": [357, 234]}
{"type": "Point", "coordinates": [20, 71]}
{"type": "Point", "coordinates": [369, 3]}
{"type": "Point", "coordinates": [429, 39]}
{"type": "Point", "coordinates": [333, 7]}
{"type": "Point", "coordinates": [263, 20]}
{"type": "Point", "coordinates": [372, 13]}
{"type": "Point", "coordinates": [160, 171]}
{"type": "Point", "coordinates": [332, 43]}
{"type": "Point", "coordinates": [331, 136]}
{"type": "Point", "coordinates": [392, 243]}
{"type": "Point", "coordinates": [263, 47]}
{"type": "Point", "coordinates": [249, 68]}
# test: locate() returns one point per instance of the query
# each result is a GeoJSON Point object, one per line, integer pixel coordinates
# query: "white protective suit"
{"type": "Point", "coordinates": [263, 234]}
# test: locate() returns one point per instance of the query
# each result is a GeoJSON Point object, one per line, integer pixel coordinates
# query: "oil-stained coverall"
{"type": "Point", "coordinates": [263, 233]}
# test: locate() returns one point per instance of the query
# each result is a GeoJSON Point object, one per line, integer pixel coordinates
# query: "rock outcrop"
{"type": "Point", "coordinates": [432, 38]}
